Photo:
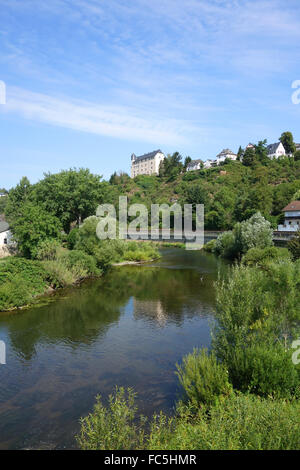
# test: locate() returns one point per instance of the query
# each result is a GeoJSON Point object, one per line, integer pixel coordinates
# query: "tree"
{"type": "Point", "coordinates": [187, 161]}
{"type": "Point", "coordinates": [240, 153]}
{"type": "Point", "coordinates": [71, 195]}
{"type": "Point", "coordinates": [297, 155]}
{"type": "Point", "coordinates": [287, 141]}
{"type": "Point", "coordinates": [17, 197]}
{"type": "Point", "coordinates": [255, 232]}
{"type": "Point", "coordinates": [171, 166]}
{"type": "Point", "coordinates": [249, 157]}
{"type": "Point", "coordinates": [33, 226]}
{"type": "Point", "coordinates": [261, 151]}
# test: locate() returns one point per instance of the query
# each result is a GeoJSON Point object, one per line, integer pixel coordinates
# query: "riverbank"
{"type": "Point", "coordinates": [24, 281]}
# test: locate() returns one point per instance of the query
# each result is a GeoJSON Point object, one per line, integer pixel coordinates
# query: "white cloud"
{"type": "Point", "coordinates": [120, 122]}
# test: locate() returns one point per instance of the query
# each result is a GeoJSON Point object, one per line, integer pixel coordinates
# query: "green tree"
{"type": "Point", "coordinates": [71, 195]}
{"type": "Point", "coordinates": [34, 225]}
{"type": "Point", "coordinates": [17, 197]}
{"type": "Point", "coordinates": [287, 141]}
{"type": "Point", "coordinates": [249, 157]}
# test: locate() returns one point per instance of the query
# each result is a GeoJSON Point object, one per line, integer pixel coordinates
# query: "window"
{"type": "Point", "coordinates": [5, 241]}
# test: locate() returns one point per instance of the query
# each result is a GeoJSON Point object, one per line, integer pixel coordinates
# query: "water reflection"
{"type": "Point", "coordinates": [129, 328]}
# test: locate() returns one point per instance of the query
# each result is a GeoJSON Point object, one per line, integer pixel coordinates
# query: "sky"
{"type": "Point", "coordinates": [89, 82]}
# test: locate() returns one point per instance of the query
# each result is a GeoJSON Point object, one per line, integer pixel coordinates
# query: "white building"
{"type": "Point", "coordinates": [195, 165]}
{"type": "Point", "coordinates": [147, 164]}
{"type": "Point", "coordinates": [291, 218]}
{"type": "Point", "coordinates": [224, 155]}
{"type": "Point", "coordinates": [5, 234]}
{"type": "Point", "coordinates": [208, 164]}
{"type": "Point", "coordinates": [276, 150]}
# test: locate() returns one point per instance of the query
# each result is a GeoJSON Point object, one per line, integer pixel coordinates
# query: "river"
{"type": "Point", "coordinates": [128, 328]}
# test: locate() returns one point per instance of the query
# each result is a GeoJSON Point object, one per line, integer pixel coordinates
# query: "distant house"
{"type": "Point", "coordinates": [224, 155]}
{"type": "Point", "coordinates": [276, 150]}
{"type": "Point", "coordinates": [250, 146]}
{"type": "Point", "coordinates": [2, 194]}
{"type": "Point", "coordinates": [208, 164]}
{"type": "Point", "coordinates": [195, 165]}
{"type": "Point", "coordinates": [5, 234]}
{"type": "Point", "coordinates": [291, 218]}
{"type": "Point", "coordinates": [297, 147]}
{"type": "Point", "coordinates": [147, 164]}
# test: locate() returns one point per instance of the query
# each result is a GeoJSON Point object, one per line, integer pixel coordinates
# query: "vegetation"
{"type": "Point", "coordinates": [244, 393]}
{"type": "Point", "coordinates": [241, 422]}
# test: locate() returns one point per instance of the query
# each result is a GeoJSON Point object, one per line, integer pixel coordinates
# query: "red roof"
{"type": "Point", "coordinates": [292, 206]}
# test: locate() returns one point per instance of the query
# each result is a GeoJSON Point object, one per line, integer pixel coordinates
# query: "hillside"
{"type": "Point", "coordinates": [231, 192]}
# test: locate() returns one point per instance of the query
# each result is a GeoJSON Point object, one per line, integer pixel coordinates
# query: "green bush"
{"type": "Point", "coordinates": [242, 422]}
{"type": "Point", "coordinates": [114, 427]}
{"type": "Point", "coordinates": [239, 422]}
{"type": "Point", "coordinates": [226, 245]}
{"type": "Point", "coordinates": [72, 238]}
{"type": "Point", "coordinates": [203, 379]}
{"type": "Point", "coordinates": [47, 249]}
{"type": "Point", "coordinates": [262, 256]}
{"type": "Point", "coordinates": [294, 246]}
{"type": "Point", "coordinates": [21, 280]}
{"type": "Point", "coordinates": [210, 246]}
{"type": "Point", "coordinates": [266, 370]}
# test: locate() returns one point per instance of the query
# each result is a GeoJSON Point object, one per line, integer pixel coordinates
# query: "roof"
{"type": "Point", "coordinates": [195, 162]}
{"type": "Point", "coordinates": [147, 155]}
{"type": "Point", "coordinates": [226, 152]}
{"type": "Point", "coordinates": [292, 206]}
{"type": "Point", "coordinates": [3, 226]}
{"type": "Point", "coordinates": [272, 148]}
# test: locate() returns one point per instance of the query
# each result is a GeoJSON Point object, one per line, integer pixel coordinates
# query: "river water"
{"type": "Point", "coordinates": [128, 329]}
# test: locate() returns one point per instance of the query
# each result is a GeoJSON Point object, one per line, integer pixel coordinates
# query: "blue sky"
{"type": "Point", "coordinates": [91, 81]}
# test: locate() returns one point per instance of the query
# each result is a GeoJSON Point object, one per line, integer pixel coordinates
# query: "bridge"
{"type": "Point", "coordinates": [279, 238]}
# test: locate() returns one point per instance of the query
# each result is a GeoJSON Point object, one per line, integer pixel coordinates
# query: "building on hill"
{"type": "Point", "coordinates": [224, 155]}
{"type": "Point", "coordinates": [276, 150]}
{"type": "Point", "coordinates": [291, 218]}
{"type": "Point", "coordinates": [208, 164]}
{"type": "Point", "coordinates": [5, 234]}
{"type": "Point", "coordinates": [195, 165]}
{"type": "Point", "coordinates": [147, 164]}
{"type": "Point", "coordinates": [250, 146]}
{"type": "Point", "coordinates": [297, 147]}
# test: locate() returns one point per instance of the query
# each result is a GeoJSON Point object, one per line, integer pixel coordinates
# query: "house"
{"type": "Point", "coordinates": [5, 234]}
{"type": "Point", "coordinates": [291, 218]}
{"type": "Point", "coordinates": [195, 165]}
{"type": "Point", "coordinates": [297, 147]}
{"type": "Point", "coordinates": [276, 150]}
{"type": "Point", "coordinates": [224, 155]}
{"type": "Point", "coordinates": [2, 194]}
{"type": "Point", "coordinates": [208, 164]}
{"type": "Point", "coordinates": [250, 146]}
{"type": "Point", "coordinates": [147, 164]}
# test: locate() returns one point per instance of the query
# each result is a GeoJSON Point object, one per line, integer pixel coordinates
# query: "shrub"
{"type": "Point", "coordinates": [255, 232]}
{"type": "Point", "coordinates": [226, 246]}
{"type": "Point", "coordinates": [203, 379]}
{"type": "Point", "coordinates": [266, 370]}
{"type": "Point", "coordinates": [114, 427]}
{"type": "Point", "coordinates": [72, 238]}
{"type": "Point", "coordinates": [294, 246]}
{"type": "Point", "coordinates": [263, 256]}
{"type": "Point", "coordinates": [47, 249]}
{"type": "Point", "coordinates": [21, 280]}
{"type": "Point", "coordinates": [242, 422]}
{"type": "Point", "coordinates": [210, 246]}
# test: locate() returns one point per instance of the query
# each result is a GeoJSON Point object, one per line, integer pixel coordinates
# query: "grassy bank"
{"type": "Point", "coordinates": [23, 280]}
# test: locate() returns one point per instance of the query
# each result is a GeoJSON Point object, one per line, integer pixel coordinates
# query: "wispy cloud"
{"type": "Point", "coordinates": [119, 122]}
